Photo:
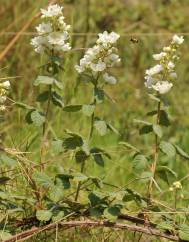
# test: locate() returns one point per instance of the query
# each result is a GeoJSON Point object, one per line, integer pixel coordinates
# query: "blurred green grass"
{"type": "Point", "coordinates": [152, 23]}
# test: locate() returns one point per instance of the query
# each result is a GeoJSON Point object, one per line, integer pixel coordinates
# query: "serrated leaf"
{"type": "Point", "coordinates": [37, 118]}
{"type": "Point", "coordinates": [72, 108]}
{"type": "Point", "coordinates": [57, 100]}
{"type": "Point", "coordinates": [72, 142]}
{"type": "Point", "coordinates": [43, 97]}
{"type": "Point", "coordinates": [42, 179]}
{"type": "Point", "coordinates": [88, 110]}
{"type": "Point", "coordinates": [4, 180]}
{"type": "Point", "coordinates": [157, 130]}
{"type": "Point", "coordinates": [163, 118]}
{"type": "Point", "coordinates": [101, 127]}
{"type": "Point", "coordinates": [60, 215]}
{"type": "Point", "coordinates": [165, 172]}
{"type": "Point", "coordinates": [56, 193]}
{"type": "Point", "coordinates": [80, 177]}
{"type": "Point", "coordinates": [57, 146]}
{"type": "Point", "coordinates": [112, 213]}
{"type": "Point", "coordinates": [65, 180]}
{"type": "Point", "coordinates": [97, 155]}
{"type": "Point", "coordinates": [129, 146]}
{"type": "Point", "coordinates": [146, 129]}
{"type": "Point", "coordinates": [44, 80]}
{"type": "Point", "coordinates": [99, 95]}
{"type": "Point", "coordinates": [166, 226]}
{"type": "Point", "coordinates": [181, 152]}
{"type": "Point", "coordinates": [4, 235]}
{"type": "Point", "coordinates": [167, 148]}
{"type": "Point", "coordinates": [140, 162]}
{"type": "Point", "coordinates": [44, 215]}
{"type": "Point", "coordinates": [7, 161]}
{"type": "Point", "coordinates": [80, 156]}
{"type": "Point", "coordinates": [184, 232]}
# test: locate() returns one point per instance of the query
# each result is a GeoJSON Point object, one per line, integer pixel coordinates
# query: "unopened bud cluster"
{"type": "Point", "coordinates": [53, 32]}
{"type": "Point", "coordinates": [161, 76]}
{"type": "Point", "coordinates": [101, 57]}
{"type": "Point", "coordinates": [4, 89]}
{"type": "Point", "coordinates": [176, 186]}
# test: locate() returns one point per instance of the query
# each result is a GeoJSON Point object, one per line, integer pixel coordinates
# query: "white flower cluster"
{"type": "Point", "coordinates": [160, 76]}
{"type": "Point", "coordinates": [4, 88]}
{"type": "Point", "coordinates": [176, 186]}
{"type": "Point", "coordinates": [53, 32]}
{"type": "Point", "coordinates": [102, 56]}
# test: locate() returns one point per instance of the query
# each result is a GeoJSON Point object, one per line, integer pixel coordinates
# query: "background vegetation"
{"type": "Point", "coordinates": [145, 26]}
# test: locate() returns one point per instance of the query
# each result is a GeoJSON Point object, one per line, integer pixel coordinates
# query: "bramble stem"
{"type": "Point", "coordinates": [90, 136]}
{"type": "Point", "coordinates": [156, 155]}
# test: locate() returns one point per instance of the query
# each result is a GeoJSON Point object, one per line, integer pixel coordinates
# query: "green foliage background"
{"type": "Point", "coordinates": [152, 23]}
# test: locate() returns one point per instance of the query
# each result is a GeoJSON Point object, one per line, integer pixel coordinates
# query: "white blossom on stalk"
{"type": "Point", "coordinates": [101, 57]}
{"type": "Point", "coordinates": [4, 89]}
{"type": "Point", "coordinates": [160, 76]}
{"type": "Point", "coordinates": [53, 32]}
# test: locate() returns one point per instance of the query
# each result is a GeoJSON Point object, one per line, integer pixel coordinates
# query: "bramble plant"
{"type": "Point", "coordinates": [50, 195]}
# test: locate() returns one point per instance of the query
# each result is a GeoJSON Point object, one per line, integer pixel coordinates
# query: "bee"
{"type": "Point", "coordinates": [134, 40]}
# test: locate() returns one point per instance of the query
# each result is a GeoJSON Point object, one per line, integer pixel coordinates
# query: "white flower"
{"type": "Point", "coordinates": [159, 56]}
{"type": "Point", "coordinates": [52, 11]}
{"type": "Point", "coordinates": [154, 70]}
{"type": "Point", "coordinates": [178, 40]}
{"type": "Point", "coordinates": [171, 65]}
{"type": "Point", "coordinates": [5, 84]}
{"type": "Point", "coordinates": [39, 43]}
{"type": "Point", "coordinates": [79, 69]}
{"type": "Point", "coordinates": [173, 75]}
{"type": "Point", "coordinates": [177, 185]}
{"type": "Point", "coordinates": [167, 48]}
{"type": "Point", "coordinates": [149, 81]}
{"type": "Point", "coordinates": [44, 28]}
{"type": "Point", "coordinates": [106, 38]}
{"type": "Point", "coordinates": [100, 66]}
{"type": "Point", "coordinates": [2, 108]}
{"type": "Point", "coordinates": [57, 38]}
{"type": "Point", "coordinates": [109, 79]}
{"type": "Point", "coordinates": [162, 86]}
{"type": "Point", "coordinates": [3, 99]}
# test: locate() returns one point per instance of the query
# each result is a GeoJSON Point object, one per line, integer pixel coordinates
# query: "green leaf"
{"type": "Point", "coordinates": [157, 130]}
{"type": "Point", "coordinates": [146, 129]}
{"type": "Point", "coordinates": [43, 97]}
{"type": "Point", "coordinates": [181, 152]}
{"type": "Point", "coordinates": [167, 148]}
{"type": "Point", "coordinates": [7, 161]}
{"type": "Point", "coordinates": [42, 179]}
{"type": "Point", "coordinates": [153, 97]}
{"type": "Point", "coordinates": [44, 215]}
{"type": "Point", "coordinates": [23, 105]}
{"type": "Point", "coordinates": [164, 119]}
{"type": "Point", "coordinates": [112, 213]}
{"type": "Point", "coordinates": [81, 156]}
{"type": "Point", "coordinates": [57, 146]}
{"type": "Point", "coordinates": [72, 142]}
{"type": "Point", "coordinates": [110, 127]}
{"type": "Point", "coordinates": [96, 212]}
{"type": "Point", "coordinates": [4, 180]}
{"type": "Point", "coordinates": [60, 215]}
{"type": "Point", "coordinates": [57, 100]}
{"type": "Point", "coordinates": [44, 80]}
{"type": "Point", "coordinates": [127, 145]}
{"type": "Point", "coordinates": [97, 198]}
{"type": "Point", "coordinates": [184, 232]}
{"type": "Point", "coordinates": [166, 225]}
{"type": "Point", "coordinates": [72, 108]}
{"type": "Point", "coordinates": [56, 193]}
{"type": "Point", "coordinates": [88, 110]}
{"type": "Point", "coordinates": [101, 127]}
{"type": "Point", "coordinates": [4, 235]}
{"type": "Point", "coordinates": [80, 177]}
{"type": "Point", "coordinates": [99, 95]}
{"type": "Point", "coordinates": [97, 181]}
{"type": "Point", "coordinates": [37, 118]}
{"type": "Point", "coordinates": [131, 195]}
{"type": "Point", "coordinates": [97, 155]}
{"type": "Point", "coordinates": [140, 162]}
{"type": "Point", "coordinates": [65, 180]}
{"type": "Point", "coordinates": [165, 173]}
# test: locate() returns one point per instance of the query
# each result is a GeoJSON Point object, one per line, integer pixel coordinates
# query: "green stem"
{"type": "Point", "coordinates": [156, 155]}
{"type": "Point", "coordinates": [90, 137]}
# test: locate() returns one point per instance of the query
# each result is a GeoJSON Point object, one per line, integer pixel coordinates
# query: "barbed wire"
{"type": "Point", "coordinates": [95, 34]}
